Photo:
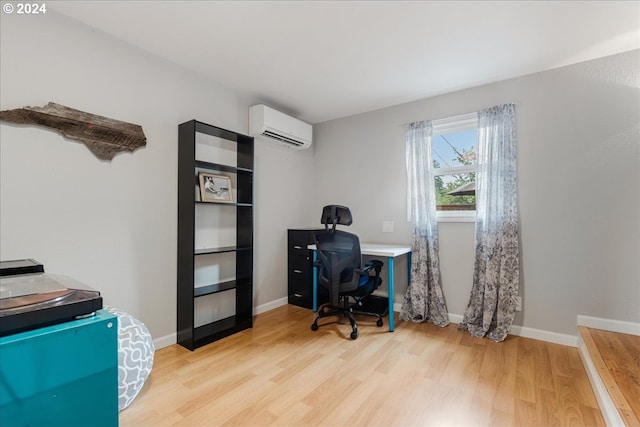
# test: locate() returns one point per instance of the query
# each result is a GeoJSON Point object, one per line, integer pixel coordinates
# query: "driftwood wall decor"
{"type": "Point", "coordinates": [103, 136]}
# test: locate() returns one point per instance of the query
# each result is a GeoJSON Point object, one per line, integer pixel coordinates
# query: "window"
{"type": "Point", "coordinates": [453, 150]}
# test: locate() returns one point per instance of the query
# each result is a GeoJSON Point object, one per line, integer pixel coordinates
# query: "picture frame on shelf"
{"type": "Point", "coordinates": [215, 188]}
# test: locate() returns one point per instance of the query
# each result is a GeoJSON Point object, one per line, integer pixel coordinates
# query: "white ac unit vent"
{"type": "Point", "coordinates": [274, 126]}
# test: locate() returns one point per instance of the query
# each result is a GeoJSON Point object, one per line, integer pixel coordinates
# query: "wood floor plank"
{"type": "Point", "coordinates": [526, 372]}
{"type": "Point", "coordinates": [280, 373]}
{"type": "Point", "coordinates": [497, 378]}
{"type": "Point", "coordinates": [525, 413]}
{"type": "Point", "coordinates": [559, 358]}
{"type": "Point", "coordinates": [618, 369]}
{"type": "Point", "coordinates": [621, 354]}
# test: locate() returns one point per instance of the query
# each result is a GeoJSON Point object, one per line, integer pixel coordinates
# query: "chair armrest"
{"type": "Point", "coordinates": [374, 264]}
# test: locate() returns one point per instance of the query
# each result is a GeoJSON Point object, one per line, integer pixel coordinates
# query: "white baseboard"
{"type": "Point", "coordinates": [172, 338]}
{"type": "Point", "coordinates": [271, 305]}
{"type": "Point", "coordinates": [165, 341]}
{"type": "Point", "coordinates": [609, 412]}
{"type": "Point", "coordinates": [609, 325]}
{"type": "Point", "coordinates": [523, 331]}
{"type": "Point", "coordinates": [455, 318]}
{"type": "Point", "coordinates": [537, 334]}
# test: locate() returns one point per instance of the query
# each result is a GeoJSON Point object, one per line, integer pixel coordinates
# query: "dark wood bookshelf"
{"type": "Point", "coordinates": [189, 335]}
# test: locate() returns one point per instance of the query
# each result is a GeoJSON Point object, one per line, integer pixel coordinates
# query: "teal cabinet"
{"type": "Point", "coordinates": [61, 375]}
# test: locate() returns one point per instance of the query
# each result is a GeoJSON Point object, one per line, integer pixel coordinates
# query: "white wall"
{"type": "Point", "coordinates": [579, 183]}
{"type": "Point", "coordinates": [112, 225]}
{"type": "Point", "coordinates": [283, 193]}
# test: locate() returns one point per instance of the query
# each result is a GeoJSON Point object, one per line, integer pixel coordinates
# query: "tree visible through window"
{"type": "Point", "coordinates": [453, 148]}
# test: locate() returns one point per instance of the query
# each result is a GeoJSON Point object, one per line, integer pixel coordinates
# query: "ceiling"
{"type": "Point", "coordinates": [320, 60]}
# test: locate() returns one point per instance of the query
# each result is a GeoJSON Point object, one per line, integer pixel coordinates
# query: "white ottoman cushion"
{"type": "Point", "coordinates": [135, 356]}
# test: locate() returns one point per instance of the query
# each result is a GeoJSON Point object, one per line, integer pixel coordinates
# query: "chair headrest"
{"type": "Point", "coordinates": [336, 214]}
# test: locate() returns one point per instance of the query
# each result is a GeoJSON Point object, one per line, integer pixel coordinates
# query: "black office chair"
{"type": "Point", "coordinates": [340, 270]}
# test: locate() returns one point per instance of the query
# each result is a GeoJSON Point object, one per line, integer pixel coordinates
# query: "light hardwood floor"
{"type": "Point", "coordinates": [616, 356]}
{"type": "Point", "coordinates": [283, 374]}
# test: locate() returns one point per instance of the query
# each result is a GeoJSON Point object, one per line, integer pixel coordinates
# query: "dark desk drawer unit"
{"type": "Point", "coordinates": [300, 266]}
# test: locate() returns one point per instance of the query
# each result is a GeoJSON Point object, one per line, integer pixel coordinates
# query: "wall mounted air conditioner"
{"type": "Point", "coordinates": [274, 126]}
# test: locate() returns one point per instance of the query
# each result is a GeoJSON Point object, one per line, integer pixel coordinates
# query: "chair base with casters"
{"type": "Point", "coordinates": [345, 310]}
{"type": "Point", "coordinates": [341, 272]}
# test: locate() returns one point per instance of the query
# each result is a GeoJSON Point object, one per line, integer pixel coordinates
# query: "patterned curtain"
{"type": "Point", "coordinates": [424, 299]}
{"type": "Point", "coordinates": [496, 273]}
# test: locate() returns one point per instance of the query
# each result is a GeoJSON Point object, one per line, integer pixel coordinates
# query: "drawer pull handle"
{"type": "Point", "coordinates": [297, 271]}
{"type": "Point", "coordinates": [297, 295]}
{"type": "Point", "coordinates": [297, 247]}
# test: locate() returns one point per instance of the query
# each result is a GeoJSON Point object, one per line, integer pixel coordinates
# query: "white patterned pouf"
{"type": "Point", "coordinates": [135, 356]}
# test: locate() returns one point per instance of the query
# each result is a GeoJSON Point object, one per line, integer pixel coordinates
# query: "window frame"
{"type": "Point", "coordinates": [450, 125]}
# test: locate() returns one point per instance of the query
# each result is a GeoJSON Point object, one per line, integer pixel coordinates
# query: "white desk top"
{"type": "Point", "coordinates": [379, 249]}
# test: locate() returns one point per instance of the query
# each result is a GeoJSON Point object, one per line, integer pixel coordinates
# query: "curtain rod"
{"type": "Point", "coordinates": [464, 114]}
